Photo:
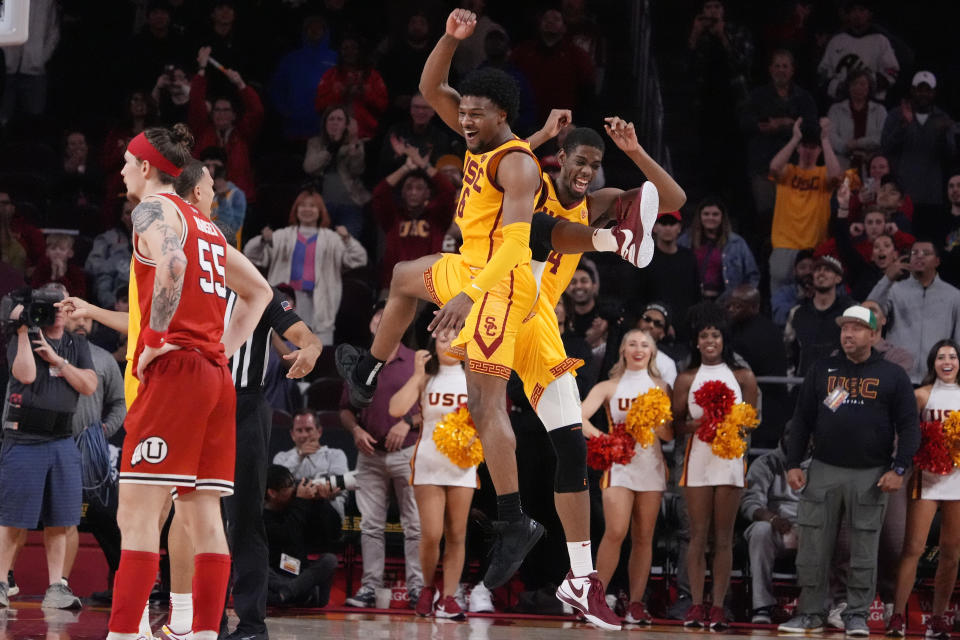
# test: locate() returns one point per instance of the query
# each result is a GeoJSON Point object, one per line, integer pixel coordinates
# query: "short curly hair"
{"type": "Point", "coordinates": [496, 85]}
{"type": "Point", "coordinates": [583, 136]}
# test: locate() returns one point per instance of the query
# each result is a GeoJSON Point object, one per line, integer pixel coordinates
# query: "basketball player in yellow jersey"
{"type": "Point", "coordinates": [487, 289]}
{"type": "Point", "coordinates": [540, 359]}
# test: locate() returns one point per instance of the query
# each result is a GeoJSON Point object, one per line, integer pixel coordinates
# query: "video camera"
{"type": "Point", "coordinates": [39, 308]}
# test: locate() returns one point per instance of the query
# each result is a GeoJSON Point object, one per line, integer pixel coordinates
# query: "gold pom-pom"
{"type": "Point", "coordinates": [728, 443]}
{"type": "Point", "coordinates": [951, 433]}
{"type": "Point", "coordinates": [650, 410]}
{"type": "Point", "coordinates": [744, 416]}
{"type": "Point", "coordinates": [456, 437]}
{"type": "Point", "coordinates": [731, 439]}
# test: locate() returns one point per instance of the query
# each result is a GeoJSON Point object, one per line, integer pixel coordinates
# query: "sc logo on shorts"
{"type": "Point", "coordinates": [152, 450]}
{"type": "Point", "coordinates": [490, 326]}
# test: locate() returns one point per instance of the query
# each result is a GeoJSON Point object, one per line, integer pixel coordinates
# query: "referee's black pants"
{"type": "Point", "coordinates": [244, 509]}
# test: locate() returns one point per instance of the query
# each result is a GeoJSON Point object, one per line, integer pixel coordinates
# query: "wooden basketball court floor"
{"type": "Point", "coordinates": [26, 620]}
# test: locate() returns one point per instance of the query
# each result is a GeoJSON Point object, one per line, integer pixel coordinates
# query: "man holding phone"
{"type": "Point", "coordinates": [40, 475]}
{"type": "Point", "coordinates": [921, 309]}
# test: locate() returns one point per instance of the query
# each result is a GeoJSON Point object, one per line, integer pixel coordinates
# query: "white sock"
{"type": "Point", "coordinates": [145, 621]}
{"type": "Point", "coordinates": [181, 612]}
{"type": "Point", "coordinates": [113, 635]}
{"type": "Point", "coordinates": [603, 240]}
{"type": "Point", "coordinates": [581, 562]}
{"type": "Point", "coordinates": [204, 635]}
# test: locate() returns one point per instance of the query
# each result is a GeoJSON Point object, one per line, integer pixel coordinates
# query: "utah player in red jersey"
{"type": "Point", "coordinates": [180, 428]}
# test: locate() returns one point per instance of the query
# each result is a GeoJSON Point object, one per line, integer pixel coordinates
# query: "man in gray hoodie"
{"type": "Point", "coordinates": [770, 504]}
{"type": "Point", "coordinates": [921, 309]}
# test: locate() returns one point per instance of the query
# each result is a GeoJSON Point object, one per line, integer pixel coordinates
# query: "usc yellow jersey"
{"type": "Point", "coordinates": [130, 382]}
{"type": "Point", "coordinates": [480, 207]}
{"type": "Point", "coordinates": [560, 266]}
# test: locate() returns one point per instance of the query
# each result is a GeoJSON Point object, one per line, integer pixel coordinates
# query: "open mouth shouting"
{"type": "Point", "coordinates": [580, 184]}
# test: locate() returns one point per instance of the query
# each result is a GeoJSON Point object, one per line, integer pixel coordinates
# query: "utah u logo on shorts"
{"type": "Point", "coordinates": [152, 450]}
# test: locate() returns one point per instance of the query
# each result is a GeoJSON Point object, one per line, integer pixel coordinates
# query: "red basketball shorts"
{"type": "Point", "coordinates": [181, 429]}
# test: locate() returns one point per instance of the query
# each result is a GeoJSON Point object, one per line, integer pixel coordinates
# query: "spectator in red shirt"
{"type": "Point", "coordinates": [218, 125]}
{"type": "Point", "coordinates": [542, 60]}
{"type": "Point", "coordinates": [56, 266]}
{"type": "Point", "coordinates": [861, 236]}
{"type": "Point", "coordinates": [356, 84]}
{"type": "Point", "coordinates": [866, 194]}
{"type": "Point", "coordinates": [414, 206]}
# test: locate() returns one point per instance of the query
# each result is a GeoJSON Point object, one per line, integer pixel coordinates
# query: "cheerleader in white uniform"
{"type": "Point", "coordinates": [443, 490]}
{"type": "Point", "coordinates": [712, 485]}
{"type": "Point", "coordinates": [631, 492]}
{"type": "Point", "coordinates": [937, 397]}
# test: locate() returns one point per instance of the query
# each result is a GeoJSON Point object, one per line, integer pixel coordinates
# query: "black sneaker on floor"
{"type": "Point", "coordinates": [347, 358]}
{"type": "Point", "coordinates": [513, 542]}
{"type": "Point", "coordinates": [102, 597]}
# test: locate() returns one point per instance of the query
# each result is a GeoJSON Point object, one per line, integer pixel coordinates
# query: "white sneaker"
{"type": "Point", "coordinates": [834, 618]}
{"type": "Point", "coordinates": [633, 229]}
{"type": "Point", "coordinates": [480, 600]}
{"type": "Point", "coordinates": [586, 594]}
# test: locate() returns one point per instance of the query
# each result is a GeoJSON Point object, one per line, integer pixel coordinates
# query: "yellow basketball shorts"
{"type": "Point", "coordinates": [489, 336]}
{"type": "Point", "coordinates": [540, 357]}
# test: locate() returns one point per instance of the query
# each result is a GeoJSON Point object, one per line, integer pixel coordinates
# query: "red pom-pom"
{"type": "Point", "coordinates": [616, 447]}
{"type": "Point", "coordinates": [716, 399]}
{"type": "Point", "coordinates": [933, 455]}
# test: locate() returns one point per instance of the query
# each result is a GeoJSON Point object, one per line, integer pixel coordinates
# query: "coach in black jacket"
{"type": "Point", "coordinates": [856, 405]}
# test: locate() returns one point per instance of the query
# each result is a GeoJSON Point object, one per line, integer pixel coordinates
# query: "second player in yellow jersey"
{"type": "Point", "coordinates": [540, 357]}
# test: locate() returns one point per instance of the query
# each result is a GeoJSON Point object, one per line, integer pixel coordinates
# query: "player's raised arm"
{"type": "Point", "coordinates": [603, 202]}
{"type": "Point", "coordinates": [556, 121]}
{"type": "Point", "coordinates": [434, 80]}
{"type": "Point", "coordinates": [253, 296]}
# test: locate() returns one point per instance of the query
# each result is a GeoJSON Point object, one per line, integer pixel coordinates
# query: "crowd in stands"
{"type": "Point", "coordinates": [827, 177]}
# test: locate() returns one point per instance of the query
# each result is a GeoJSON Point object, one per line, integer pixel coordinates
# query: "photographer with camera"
{"type": "Point", "coordinates": [291, 533]}
{"type": "Point", "coordinates": [310, 460]}
{"type": "Point", "coordinates": [40, 470]}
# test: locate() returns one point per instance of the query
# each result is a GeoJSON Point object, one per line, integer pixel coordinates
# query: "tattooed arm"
{"type": "Point", "coordinates": [159, 240]}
